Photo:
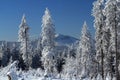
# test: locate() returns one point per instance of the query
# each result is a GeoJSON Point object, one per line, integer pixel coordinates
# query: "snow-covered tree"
{"type": "Point", "coordinates": [70, 68]}
{"type": "Point", "coordinates": [99, 77]}
{"type": "Point", "coordinates": [99, 24]}
{"type": "Point", "coordinates": [39, 46]}
{"type": "Point", "coordinates": [24, 41]}
{"type": "Point", "coordinates": [5, 54]}
{"type": "Point", "coordinates": [78, 59]}
{"type": "Point", "coordinates": [15, 53]}
{"type": "Point", "coordinates": [108, 77]}
{"type": "Point", "coordinates": [112, 13]}
{"type": "Point", "coordinates": [87, 54]}
{"type": "Point", "coordinates": [48, 31]}
{"type": "Point", "coordinates": [36, 60]}
{"type": "Point", "coordinates": [37, 55]}
{"type": "Point", "coordinates": [2, 47]}
{"type": "Point", "coordinates": [60, 61]}
{"type": "Point", "coordinates": [48, 43]}
{"type": "Point", "coordinates": [72, 50]}
{"type": "Point", "coordinates": [107, 56]}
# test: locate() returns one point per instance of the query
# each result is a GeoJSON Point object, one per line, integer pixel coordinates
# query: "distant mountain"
{"type": "Point", "coordinates": [61, 40]}
{"type": "Point", "coordinates": [64, 39]}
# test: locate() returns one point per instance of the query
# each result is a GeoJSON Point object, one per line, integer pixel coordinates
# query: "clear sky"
{"type": "Point", "coordinates": [68, 16]}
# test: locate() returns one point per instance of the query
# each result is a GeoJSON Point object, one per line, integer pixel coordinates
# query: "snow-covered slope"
{"type": "Point", "coordinates": [61, 40]}
{"type": "Point", "coordinates": [64, 39]}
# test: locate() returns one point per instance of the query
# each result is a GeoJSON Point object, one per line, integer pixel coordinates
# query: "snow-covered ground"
{"type": "Point", "coordinates": [23, 75]}
{"type": "Point", "coordinates": [36, 74]}
{"type": "Point", "coordinates": [37, 78]}
{"type": "Point", "coordinates": [28, 76]}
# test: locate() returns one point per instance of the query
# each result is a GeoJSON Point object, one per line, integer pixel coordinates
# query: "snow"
{"type": "Point", "coordinates": [20, 75]}
{"type": "Point", "coordinates": [13, 75]}
{"type": "Point", "coordinates": [37, 75]}
{"type": "Point", "coordinates": [29, 75]}
{"type": "Point", "coordinates": [64, 39]}
{"type": "Point", "coordinates": [30, 78]}
{"type": "Point", "coordinates": [35, 78]}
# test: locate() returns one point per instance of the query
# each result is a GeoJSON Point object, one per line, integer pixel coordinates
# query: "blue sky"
{"type": "Point", "coordinates": [68, 16]}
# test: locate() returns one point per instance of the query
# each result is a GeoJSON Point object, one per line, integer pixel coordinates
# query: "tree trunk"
{"type": "Point", "coordinates": [102, 63]}
{"type": "Point", "coordinates": [116, 51]}
{"type": "Point", "coordinates": [9, 78]}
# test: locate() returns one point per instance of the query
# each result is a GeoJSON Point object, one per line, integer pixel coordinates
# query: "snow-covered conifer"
{"type": "Point", "coordinates": [48, 31]}
{"type": "Point", "coordinates": [70, 68]}
{"type": "Point", "coordinates": [112, 13]}
{"type": "Point", "coordinates": [39, 46]}
{"type": "Point", "coordinates": [99, 24]}
{"type": "Point", "coordinates": [5, 54]}
{"type": "Point", "coordinates": [99, 77]}
{"type": "Point", "coordinates": [87, 54]}
{"type": "Point", "coordinates": [24, 40]}
{"type": "Point", "coordinates": [48, 43]}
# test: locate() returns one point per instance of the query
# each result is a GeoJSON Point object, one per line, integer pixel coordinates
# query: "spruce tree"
{"type": "Point", "coordinates": [87, 54]}
{"type": "Point", "coordinates": [48, 43]}
{"type": "Point", "coordinates": [99, 24]}
{"type": "Point", "coordinates": [24, 41]}
{"type": "Point", "coordinates": [112, 13]}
